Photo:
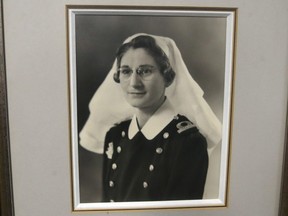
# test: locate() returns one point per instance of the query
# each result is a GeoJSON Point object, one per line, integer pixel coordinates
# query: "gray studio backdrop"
{"type": "Point", "coordinates": [201, 40]}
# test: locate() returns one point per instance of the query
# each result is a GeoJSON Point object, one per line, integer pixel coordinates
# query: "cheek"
{"type": "Point", "coordinates": [157, 89]}
{"type": "Point", "coordinates": [123, 86]}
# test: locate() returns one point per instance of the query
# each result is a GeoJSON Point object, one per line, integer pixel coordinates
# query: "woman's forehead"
{"type": "Point", "coordinates": [137, 56]}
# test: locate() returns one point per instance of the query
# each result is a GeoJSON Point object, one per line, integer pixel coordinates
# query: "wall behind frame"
{"type": "Point", "coordinates": [37, 94]}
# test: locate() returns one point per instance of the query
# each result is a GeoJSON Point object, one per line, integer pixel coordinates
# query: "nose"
{"type": "Point", "coordinates": [135, 80]}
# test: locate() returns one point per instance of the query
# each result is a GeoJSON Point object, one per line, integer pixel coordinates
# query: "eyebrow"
{"type": "Point", "coordinates": [123, 66]}
{"type": "Point", "coordinates": [143, 65]}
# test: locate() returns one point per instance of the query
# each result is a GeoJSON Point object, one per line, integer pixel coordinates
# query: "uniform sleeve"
{"type": "Point", "coordinates": [106, 164]}
{"type": "Point", "coordinates": [189, 166]}
{"type": "Point", "coordinates": [112, 138]}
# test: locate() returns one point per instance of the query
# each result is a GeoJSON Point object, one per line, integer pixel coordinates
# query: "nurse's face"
{"type": "Point", "coordinates": [141, 81]}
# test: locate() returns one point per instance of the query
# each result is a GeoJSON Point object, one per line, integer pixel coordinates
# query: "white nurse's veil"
{"type": "Point", "coordinates": [108, 105]}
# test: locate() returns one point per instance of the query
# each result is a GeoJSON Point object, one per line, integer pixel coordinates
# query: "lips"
{"type": "Point", "coordinates": [137, 93]}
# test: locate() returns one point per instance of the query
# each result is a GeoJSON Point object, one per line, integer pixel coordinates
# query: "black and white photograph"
{"type": "Point", "coordinates": [151, 92]}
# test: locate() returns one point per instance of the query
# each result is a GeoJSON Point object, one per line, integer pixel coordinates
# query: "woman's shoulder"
{"type": "Point", "coordinates": [118, 127]}
{"type": "Point", "coordinates": [183, 130]}
{"type": "Point", "coordinates": [182, 125]}
{"type": "Point", "coordinates": [186, 135]}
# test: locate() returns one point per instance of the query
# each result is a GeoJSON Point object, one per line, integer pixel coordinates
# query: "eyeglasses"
{"type": "Point", "coordinates": [145, 72]}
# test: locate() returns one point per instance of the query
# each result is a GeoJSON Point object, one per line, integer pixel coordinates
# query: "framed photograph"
{"type": "Point", "coordinates": [198, 45]}
{"type": "Point", "coordinates": [75, 122]}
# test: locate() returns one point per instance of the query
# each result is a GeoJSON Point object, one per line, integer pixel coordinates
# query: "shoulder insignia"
{"type": "Point", "coordinates": [184, 125]}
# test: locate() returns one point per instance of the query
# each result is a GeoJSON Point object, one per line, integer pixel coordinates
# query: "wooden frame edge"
{"type": "Point", "coordinates": [6, 192]}
{"type": "Point", "coordinates": [283, 206]}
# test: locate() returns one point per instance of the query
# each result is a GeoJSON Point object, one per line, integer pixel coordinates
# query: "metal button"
{"type": "Point", "coordinates": [165, 135]}
{"type": "Point", "coordinates": [119, 149]}
{"type": "Point", "coordinates": [145, 184]}
{"type": "Point", "coordinates": [151, 167]}
{"type": "Point", "coordinates": [176, 117]}
{"type": "Point", "coordinates": [114, 166]}
{"type": "Point", "coordinates": [111, 183]}
{"type": "Point", "coordinates": [159, 150]}
{"type": "Point", "coordinates": [123, 133]}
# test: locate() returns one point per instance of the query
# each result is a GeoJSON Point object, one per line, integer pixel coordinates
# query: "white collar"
{"type": "Point", "coordinates": [156, 123]}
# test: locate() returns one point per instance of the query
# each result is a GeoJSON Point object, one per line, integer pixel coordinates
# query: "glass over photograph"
{"type": "Point", "coordinates": [151, 94]}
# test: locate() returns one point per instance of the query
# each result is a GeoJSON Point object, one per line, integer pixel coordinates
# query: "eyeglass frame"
{"type": "Point", "coordinates": [138, 71]}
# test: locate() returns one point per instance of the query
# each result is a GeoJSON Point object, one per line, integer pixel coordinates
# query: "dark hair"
{"type": "Point", "coordinates": [149, 44]}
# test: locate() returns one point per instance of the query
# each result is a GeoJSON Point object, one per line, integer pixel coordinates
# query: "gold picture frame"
{"type": "Point", "coordinates": [122, 17]}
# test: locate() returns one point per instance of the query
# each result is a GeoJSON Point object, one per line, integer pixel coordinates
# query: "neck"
{"type": "Point", "coordinates": [144, 114]}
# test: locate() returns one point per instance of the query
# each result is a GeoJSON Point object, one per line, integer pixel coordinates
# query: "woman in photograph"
{"type": "Point", "coordinates": [150, 121]}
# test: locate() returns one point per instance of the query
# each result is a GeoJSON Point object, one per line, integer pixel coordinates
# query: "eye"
{"type": "Point", "coordinates": [125, 71]}
{"type": "Point", "coordinates": [145, 71]}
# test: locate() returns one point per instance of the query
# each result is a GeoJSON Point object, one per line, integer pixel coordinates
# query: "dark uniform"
{"type": "Point", "coordinates": [171, 166]}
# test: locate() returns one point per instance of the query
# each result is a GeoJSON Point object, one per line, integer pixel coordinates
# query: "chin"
{"type": "Point", "coordinates": [136, 104]}
{"type": "Point", "coordinates": [136, 101]}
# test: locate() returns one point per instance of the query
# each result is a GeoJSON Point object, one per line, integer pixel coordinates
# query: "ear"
{"type": "Point", "coordinates": [169, 76]}
{"type": "Point", "coordinates": [168, 82]}
{"type": "Point", "coordinates": [116, 77]}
